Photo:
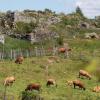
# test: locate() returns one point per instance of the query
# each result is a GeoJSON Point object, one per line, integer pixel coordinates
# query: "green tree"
{"type": "Point", "coordinates": [48, 10]}
{"type": "Point", "coordinates": [79, 11]}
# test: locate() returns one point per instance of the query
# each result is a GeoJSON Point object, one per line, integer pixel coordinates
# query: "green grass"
{"type": "Point", "coordinates": [66, 69]}
{"type": "Point", "coordinates": [13, 43]}
{"type": "Point", "coordinates": [29, 72]}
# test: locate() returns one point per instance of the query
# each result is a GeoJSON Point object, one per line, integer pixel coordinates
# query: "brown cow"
{"type": "Point", "coordinates": [33, 86]}
{"type": "Point", "coordinates": [54, 59]}
{"type": "Point", "coordinates": [9, 81]}
{"type": "Point", "coordinates": [19, 60]}
{"type": "Point", "coordinates": [63, 50]}
{"type": "Point", "coordinates": [70, 83]}
{"type": "Point", "coordinates": [51, 82]}
{"type": "Point", "coordinates": [79, 84]}
{"type": "Point", "coordinates": [50, 61]}
{"type": "Point", "coordinates": [84, 73]}
{"type": "Point", "coordinates": [96, 89]}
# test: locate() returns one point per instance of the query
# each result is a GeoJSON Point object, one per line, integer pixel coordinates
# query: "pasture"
{"type": "Point", "coordinates": [33, 70]}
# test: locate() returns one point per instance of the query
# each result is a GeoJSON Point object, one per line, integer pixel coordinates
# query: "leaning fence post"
{"type": "Point", "coordinates": [4, 98]}
{"type": "Point", "coordinates": [0, 55]}
{"type": "Point", "coordinates": [11, 54]}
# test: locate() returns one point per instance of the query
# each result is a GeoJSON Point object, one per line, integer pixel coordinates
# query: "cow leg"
{"type": "Point", "coordinates": [56, 85]}
{"type": "Point", "coordinates": [11, 83]}
{"type": "Point", "coordinates": [47, 84]}
{"type": "Point", "coordinates": [80, 88]}
{"type": "Point", "coordinates": [74, 86]}
{"type": "Point", "coordinates": [79, 75]}
{"type": "Point", "coordinates": [88, 77]}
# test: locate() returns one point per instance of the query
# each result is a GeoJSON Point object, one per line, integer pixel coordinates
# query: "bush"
{"type": "Point", "coordinates": [31, 95]}
{"type": "Point", "coordinates": [60, 41]}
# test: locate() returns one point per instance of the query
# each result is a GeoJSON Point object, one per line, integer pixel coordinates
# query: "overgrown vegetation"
{"type": "Point", "coordinates": [30, 95]}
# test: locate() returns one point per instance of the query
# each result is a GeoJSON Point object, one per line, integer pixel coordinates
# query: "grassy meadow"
{"type": "Point", "coordinates": [32, 70]}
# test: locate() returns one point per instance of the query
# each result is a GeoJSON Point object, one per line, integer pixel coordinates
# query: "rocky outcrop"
{"type": "Point", "coordinates": [92, 36]}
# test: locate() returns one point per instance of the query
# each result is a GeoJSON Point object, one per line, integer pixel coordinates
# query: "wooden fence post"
{"type": "Point", "coordinates": [36, 52]}
{"type": "Point", "coordinates": [14, 54]}
{"type": "Point", "coordinates": [55, 52]}
{"type": "Point", "coordinates": [11, 54]}
{"type": "Point", "coordinates": [42, 51]}
{"type": "Point", "coordinates": [4, 98]}
{"type": "Point", "coordinates": [27, 53]}
{"type": "Point", "coordinates": [46, 71]}
{"type": "Point", "coordinates": [0, 56]}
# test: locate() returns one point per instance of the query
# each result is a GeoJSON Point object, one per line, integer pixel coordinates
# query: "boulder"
{"type": "Point", "coordinates": [91, 36]}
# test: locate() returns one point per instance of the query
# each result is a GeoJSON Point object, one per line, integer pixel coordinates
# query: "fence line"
{"type": "Point", "coordinates": [13, 53]}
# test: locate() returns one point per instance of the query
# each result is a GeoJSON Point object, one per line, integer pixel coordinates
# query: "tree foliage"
{"type": "Point", "coordinates": [79, 11]}
{"type": "Point", "coordinates": [22, 27]}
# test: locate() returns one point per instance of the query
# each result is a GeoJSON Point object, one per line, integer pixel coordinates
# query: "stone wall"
{"type": "Point", "coordinates": [21, 17]}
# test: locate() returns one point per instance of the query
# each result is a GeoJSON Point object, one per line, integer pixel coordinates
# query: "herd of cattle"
{"type": "Point", "coordinates": [36, 86]}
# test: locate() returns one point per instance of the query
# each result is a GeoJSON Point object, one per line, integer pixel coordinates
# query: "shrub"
{"type": "Point", "coordinates": [31, 95]}
{"type": "Point", "coordinates": [60, 41]}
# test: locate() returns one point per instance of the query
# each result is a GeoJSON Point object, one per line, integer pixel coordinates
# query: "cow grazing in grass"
{"type": "Point", "coordinates": [63, 50]}
{"type": "Point", "coordinates": [54, 58]}
{"type": "Point", "coordinates": [85, 74]}
{"type": "Point", "coordinates": [79, 84]}
{"type": "Point", "coordinates": [19, 60]}
{"type": "Point", "coordinates": [70, 83]}
{"type": "Point", "coordinates": [33, 86]}
{"type": "Point", "coordinates": [51, 82]}
{"type": "Point", "coordinates": [9, 81]}
{"type": "Point", "coordinates": [96, 89]}
{"type": "Point", "coordinates": [50, 61]}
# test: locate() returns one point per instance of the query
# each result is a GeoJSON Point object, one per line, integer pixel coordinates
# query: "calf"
{"type": "Point", "coordinates": [54, 58]}
{"type": "Point", "coordinates": [19, 59]}
{"type": "Point", "coordinates": [84, 73]}
{"type": "Point", "coordinates": [51, 82]}
{"type": "Point", "coordinates": [79, 84]}
{"type": "Point", "coordinates": [9, 81]}
{"type": "Point", "coordinates": [96, 89]}
{"type": "Point", "coordinates": [62, 50]}
{"type": "Point", "coordinates": [33, 86]}
{"type": "Point", "coordinates": [70, 83]}
{"type": "Point", "coordinates": [50, 61]}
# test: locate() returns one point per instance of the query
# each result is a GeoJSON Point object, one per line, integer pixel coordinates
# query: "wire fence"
{"type": "Point", "coordinates": [13, 53]}
{"type": "Point", "coordinates": [6, 97]}
{"type": "Point", "coordinates": [37, 52]}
